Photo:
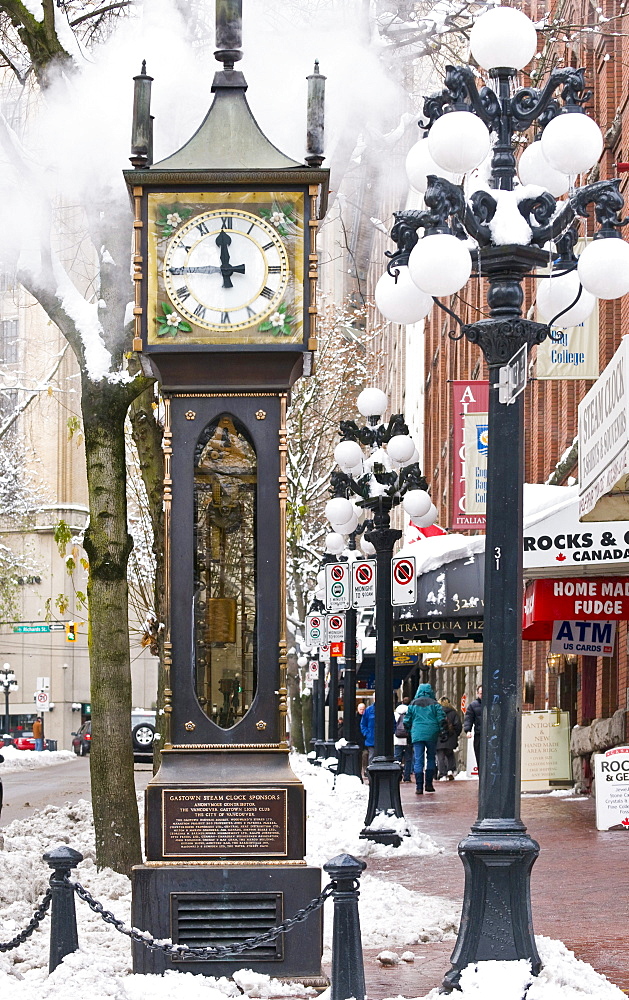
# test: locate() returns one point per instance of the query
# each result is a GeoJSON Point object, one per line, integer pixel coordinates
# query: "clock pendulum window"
{"type": "Point", "coordinates": [225, 272]}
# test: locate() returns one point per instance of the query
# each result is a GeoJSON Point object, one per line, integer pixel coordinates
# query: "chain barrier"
{"type": "Point", "coordinates": [32, 925]}
{"type": "Point", "coordinates": [179, 950]}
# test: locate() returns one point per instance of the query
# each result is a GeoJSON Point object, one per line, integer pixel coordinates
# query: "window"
{"type": "Point", "coordinates": [225, 486]}
{"type": "Point", "coordinates": [9, 341]}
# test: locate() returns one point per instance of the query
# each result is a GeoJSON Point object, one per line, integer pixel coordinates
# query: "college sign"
{"type": "Point", "coordinates": [570, 600]}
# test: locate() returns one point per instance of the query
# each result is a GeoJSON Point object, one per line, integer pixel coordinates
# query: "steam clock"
{"type": "Point", "coordinates": [225, 315]}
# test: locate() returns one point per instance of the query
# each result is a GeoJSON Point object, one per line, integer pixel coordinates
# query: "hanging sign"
{"type": "Point", "coordinates": [590, 598]}
{"type": "Point", "coordinates": [364, 584]}
{"type": "Point", "coordinates": [403, 580]}
{"type": "Point", "coordinates": [611, 783]}
{"type": "Point", "coordinates": [313, 669]}
{"type": "Point", "coordinates": [315, 629]}
{"type": "Point", "coordinates": [476, 439]}
{"type": "Point", "coordinates": [337, 586]}
{"type": "Point", "coordinates": [584, 638]}
{"type": "Point", "coordinates": [467, 397]}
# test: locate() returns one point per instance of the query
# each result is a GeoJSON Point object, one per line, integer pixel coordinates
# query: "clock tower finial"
{"type": "Point", "coordinates": [228, 32]}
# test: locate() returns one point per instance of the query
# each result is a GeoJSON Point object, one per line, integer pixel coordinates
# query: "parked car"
{"type": "Point", "coordinates": [142, 734]}
{"type": "Point", "coordinates": [26, 741]}
{"type": "Point", "coordinates": [82, 738]}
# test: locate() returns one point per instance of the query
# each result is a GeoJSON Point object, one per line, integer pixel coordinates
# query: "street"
{"type": "Point", "coordinates": [25, 791]}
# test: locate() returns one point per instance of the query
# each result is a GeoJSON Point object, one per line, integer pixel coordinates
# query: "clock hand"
{"type": "Point", "coordinates": [206, 269]}
{"type": "Point", "coordinates": [227, 269]}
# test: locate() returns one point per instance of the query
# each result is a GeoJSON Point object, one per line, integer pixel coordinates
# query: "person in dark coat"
{"type": "Point", "coordinates": [423, 721]}
{"type": "Point", "coordinates": [368, 729]}
{"type": "Point", "coordinates": [448, 741]}
{"type": "Point", "coordinates": [473, 721]}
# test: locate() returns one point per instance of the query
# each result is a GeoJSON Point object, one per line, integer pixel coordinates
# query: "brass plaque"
{"type": "Point", "coordinates": [221, 620]}
{"type": "Point", "coordinates": [220, 822]}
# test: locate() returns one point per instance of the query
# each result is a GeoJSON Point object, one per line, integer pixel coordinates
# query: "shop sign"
{"type": "Point", "coordinates": [405, 659]}
{"type": "Point", "coordinates": [562, 540]}
{"type": "Point", "coordinates": [604, 432]}
{"type": "Point", "coordinates": [467, 398]}
{"type": "Point", "coordinates": [587, 599]}
{"type": "Point", "coordinates": [611, 774]}
{"type": "Point", "coordinates": [584, 638]}
{"type": "Point", "coordinates": [545, 749]}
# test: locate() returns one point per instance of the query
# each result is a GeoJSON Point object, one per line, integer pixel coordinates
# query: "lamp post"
{"type": "Point", "coordinates": [388, 476]}
{"type": "Point", "coordinates": [509, 227]}
{"type": "Point", "coordinates": [8, 684]}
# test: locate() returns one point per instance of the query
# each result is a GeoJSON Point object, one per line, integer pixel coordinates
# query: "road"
{"type": "Point", "coordinates": [25, 791]}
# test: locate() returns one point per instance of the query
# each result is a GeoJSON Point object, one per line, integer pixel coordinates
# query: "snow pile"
{"type": "Point", "coordinates": [335, 813]}
{"type": "Point", "coordinates": [19, 760]}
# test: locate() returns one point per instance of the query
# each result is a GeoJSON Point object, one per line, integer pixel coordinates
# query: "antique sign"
{"type": "Point", "coordinates": [215, 822]}
{"type": "Point", "coordinates": [545, 749]}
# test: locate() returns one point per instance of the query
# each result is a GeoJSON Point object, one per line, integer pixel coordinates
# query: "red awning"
{"type": "Point", "coordinates": [594, 598]}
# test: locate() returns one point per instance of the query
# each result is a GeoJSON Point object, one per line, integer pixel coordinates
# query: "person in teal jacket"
{"type": "Point", "coordinates": [423, 721]}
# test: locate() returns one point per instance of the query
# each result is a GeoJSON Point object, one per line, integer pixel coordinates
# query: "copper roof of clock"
{"type": "Point", "coordinates": [229, 138]}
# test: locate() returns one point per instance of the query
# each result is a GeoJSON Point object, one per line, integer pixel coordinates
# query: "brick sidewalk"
{"type": "Point", "coordinates": [579, 884]}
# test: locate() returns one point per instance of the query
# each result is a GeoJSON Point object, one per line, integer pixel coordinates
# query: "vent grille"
{"type": "Point", "coordinates": [210, 919]}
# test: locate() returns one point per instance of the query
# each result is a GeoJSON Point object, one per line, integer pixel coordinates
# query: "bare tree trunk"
{"type": "Point", "coordinates": [108, 544]}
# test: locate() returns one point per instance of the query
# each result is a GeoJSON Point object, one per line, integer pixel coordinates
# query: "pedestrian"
{"type": "Point", "coordinates": [38, 733]}
{"type": "Point", "coordinates": [423, 721]}
{"type": "Point", "coordinates": [448, 741]}
{"type": "Point", "coordinates": [473, 721]}
{"type": "Point", "coordinates": [368, 729]}
{"type": "Point", "coordinates": [360, 739]}
{"type": "Point", "coordinates": [402, 747]}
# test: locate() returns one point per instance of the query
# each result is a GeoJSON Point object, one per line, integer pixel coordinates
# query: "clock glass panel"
{"type": "Point", "coordinates": [225, 268]}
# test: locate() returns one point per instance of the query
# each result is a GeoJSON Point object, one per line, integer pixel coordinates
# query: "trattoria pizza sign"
{"type": "Point", "coordinates": [569, 600]}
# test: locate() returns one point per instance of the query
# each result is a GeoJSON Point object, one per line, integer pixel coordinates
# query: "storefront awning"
{"type": "Point", "coordinates": [591, 599]}
{"type": "Point", "coordinates": [449, 603]}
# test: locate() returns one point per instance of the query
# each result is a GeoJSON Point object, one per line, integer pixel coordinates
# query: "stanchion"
{"type": "Point", "coordinates": [63, 933]}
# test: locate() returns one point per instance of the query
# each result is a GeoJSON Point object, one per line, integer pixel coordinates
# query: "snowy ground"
{"type": "Point", "coordinates": [101, 968]}
{"type": "Point", "coordinates": [18, 760]}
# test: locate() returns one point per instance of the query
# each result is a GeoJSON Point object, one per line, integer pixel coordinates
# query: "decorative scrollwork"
{"type": "Point", "coordinates": [444, 199]}
{"type": "Point", "coordinates": [404, 234]}
{"type": "Point", "coordinates": [483, 207]}
{"type": "Point", "coordinates": [411, 478]}
{"type": "Point", "coordinates": [542, 207]}
{"type": "Point", "coordinates": [499, 339]}
{"type": "Point", "coordinates": [434, 107]}
{"type": "Point", "coordinates": [608, 203]}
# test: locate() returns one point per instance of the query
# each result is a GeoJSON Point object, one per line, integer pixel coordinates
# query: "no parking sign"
{"type": "Point", "coordinates": [403, 580]}
{"type": "Point", "coordinates": [337, 586]}
{"type": "Point", "coordinates": [364, 584]}
{"type": "Point", "coordinates": [315, 630]}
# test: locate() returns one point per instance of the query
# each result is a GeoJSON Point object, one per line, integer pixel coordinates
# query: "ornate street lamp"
{"type": "Point", "coordinates": [503, 232]}
{"type": "Point", "coordinates": [8, 685]}
{"type": "Point", "coordinates": [387, 476]}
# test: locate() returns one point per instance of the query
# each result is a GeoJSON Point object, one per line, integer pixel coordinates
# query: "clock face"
{"type": "Point", "coordinates": [225, 267]}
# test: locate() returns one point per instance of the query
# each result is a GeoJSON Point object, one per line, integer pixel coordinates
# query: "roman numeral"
{"type": "Point", "coordinates": [275, 269]}
{"type": "Point", "coordinates": [267, 293]}
{"type": "Point", "coordinates": [224, 317]}
{"type": "Point", "coordinates": [184, 247]}
{"type": "Point", "coordinates": [252, 226]}
{"type": "Point", "coordinates": [203, 229]}
{"type": "Point", "coordinates": [268, 246]}
{"type": "Point", "coordinates": [200, 311]}
{"type": "Point", "coordinates": [250, 312]}
{"type": "Point", "coordinates": [227, 221]}
{"type": "Point", "coordinates": [182, 293]}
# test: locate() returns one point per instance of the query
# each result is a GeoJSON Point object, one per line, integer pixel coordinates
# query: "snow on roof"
{"type": "Point", "coordinates": [540, 501]}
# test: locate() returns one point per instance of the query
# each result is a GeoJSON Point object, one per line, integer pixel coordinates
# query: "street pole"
{"type": "Point", "coordinates": [384, 771]}
{"type": "Point", "coordinates": [350, 755]}
{"type": "Point", "coordinates": [7, 720]}
{"type": "Point", "coordinates": [320, 743]}
{"type": "Point", "coordinates": [333, 710]}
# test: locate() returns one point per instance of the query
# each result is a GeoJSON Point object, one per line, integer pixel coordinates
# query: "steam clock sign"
{"type": "Point", "coordinates": [225, 277]}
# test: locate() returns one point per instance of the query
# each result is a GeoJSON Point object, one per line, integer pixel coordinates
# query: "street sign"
{"type": "Point", "coordinates": [336, 628]}
{"type": "Point", "coordinates": [315, 630]}
{"type": "Point", "coordinates": [324, 652]}
{"type": "Point", "coordinates": [364, 584]}
{"type": "Point", "coordinates": [403, 580]}
{"type": "Point", "coordinates": [31, 628]}
{"type": "Point", "coordinates": [42, 701]}
{"type": "Point", "coordinates": [512, 377]}
{"type": "Point", "coordinates": [313, 669]}
{"type": "Point", "coordinates": [336, 648]}
{"type": "Point", "coordinates": [57, 626]}
{"type": "Point", "coordinates": [337, 586]}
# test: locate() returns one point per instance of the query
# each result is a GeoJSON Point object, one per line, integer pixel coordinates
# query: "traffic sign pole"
{"type": "Point", "coordinates": [350, 756]}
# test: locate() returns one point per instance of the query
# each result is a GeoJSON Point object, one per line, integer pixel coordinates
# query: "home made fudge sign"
{"type": "Point", "coordinates": [218, 822]}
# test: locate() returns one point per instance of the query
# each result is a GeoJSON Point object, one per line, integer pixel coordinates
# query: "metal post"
{"type": "Point", "coordinates": [348, 973]}
{"type": "Point", "coordinates": [320, 743]}
{"type": "Point", "coordinates": [333, 710]}
{"type": "Point", "coordinates": [350, 755]}
{"type": "Point", "coordinates": [7, 718]}
{"type": "Point", "coordinates": [63, 934]}
{"type": "Point", "coordinates": [498, 854]}
{"type": "Point", "coordinates": [384, 771]}
{"type": "Point", "coordinates": [315, 714]}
